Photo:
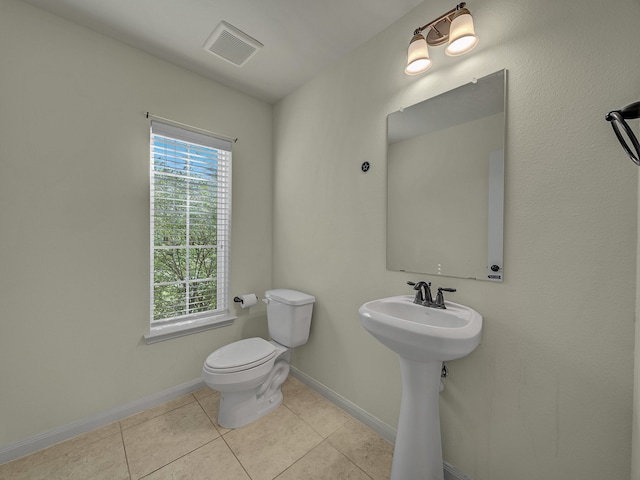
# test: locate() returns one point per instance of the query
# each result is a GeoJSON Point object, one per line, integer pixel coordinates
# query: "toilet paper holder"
{"type": "Point", "coordinates": [240, 300]}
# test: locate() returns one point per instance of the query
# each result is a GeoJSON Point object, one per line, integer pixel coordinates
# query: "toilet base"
{"type": "Point", "coordinates": [238, 409]}
{"type": "Point", "coordinates": [235, 412]}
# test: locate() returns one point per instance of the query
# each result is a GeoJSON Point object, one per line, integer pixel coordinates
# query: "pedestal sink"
{"type": "Point", "coordinates": [423, 338]}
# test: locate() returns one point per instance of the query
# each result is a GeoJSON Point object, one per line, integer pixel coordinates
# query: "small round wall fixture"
{"type": "Point", "coordinates": [365, 167]}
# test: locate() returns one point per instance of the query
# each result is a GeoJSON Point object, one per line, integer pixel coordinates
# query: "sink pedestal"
{"type": "Point", "coordinates": [423, 338]}
{"type": "Point", "coordinates": [418, 449]}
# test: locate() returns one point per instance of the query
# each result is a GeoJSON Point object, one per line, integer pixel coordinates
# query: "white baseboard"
{"type": "Point", "coordinates": [452, 473]}
{"type": "Point", "coordinates": [381, 428]}
{"type": "Point", "coordinates": [66, 432]}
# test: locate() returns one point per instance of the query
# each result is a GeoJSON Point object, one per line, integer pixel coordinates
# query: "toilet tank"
{"type": "Point", "coordinates": [289, 316]}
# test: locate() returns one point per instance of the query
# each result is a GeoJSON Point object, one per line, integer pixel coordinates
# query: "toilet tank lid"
{"type": "Point", "coordinates": [290, 297]}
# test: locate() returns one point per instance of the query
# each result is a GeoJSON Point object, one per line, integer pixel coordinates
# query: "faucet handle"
{"type": "Point", "coordinates": [439, 303]}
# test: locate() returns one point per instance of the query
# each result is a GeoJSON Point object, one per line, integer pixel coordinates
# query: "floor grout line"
{"type": "Point", "coordinates": [179, 458]}
{"type": "Point", "coordinates": [124, 448]}
{"type": "Point", "coordinates": [224, 439]}
{"type": "Point", "coordinates": [236, 457]}
{"type": "Point", "coordinates": [204, 404]}
{"type": "Point", "coordinates": [160, 414]}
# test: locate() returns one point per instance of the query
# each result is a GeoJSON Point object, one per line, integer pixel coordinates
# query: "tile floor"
{"type": "Point", "coordinates": [306, 438]}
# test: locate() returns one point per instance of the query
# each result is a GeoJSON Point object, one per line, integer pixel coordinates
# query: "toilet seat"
{"type": "Point", "coordinates": [241, 355]}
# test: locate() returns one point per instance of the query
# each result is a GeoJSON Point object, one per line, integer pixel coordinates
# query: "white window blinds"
{"type": "Point", "coordinates": [190, 224]}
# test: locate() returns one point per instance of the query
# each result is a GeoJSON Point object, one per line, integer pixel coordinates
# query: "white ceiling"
{"type": "Point", "coordinates": [300, 37]}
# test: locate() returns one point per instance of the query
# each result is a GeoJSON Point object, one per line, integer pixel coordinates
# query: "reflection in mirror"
{"type": "Point", "coordinates": [445, 183]}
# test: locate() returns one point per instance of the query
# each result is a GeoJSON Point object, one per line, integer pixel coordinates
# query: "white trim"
{"type": "Point", "coordinates": [164, 332]}
{"type": "Point", "coordinates": [452, 473]}
{"type": "Point", "coordinates": [65, 432]}
{"type": "Point", "coordinates": [191, 127]}
{"type": "Point", "coordinates": [191, 135]}
{"type": "Point", "coordinates": [375, 424]}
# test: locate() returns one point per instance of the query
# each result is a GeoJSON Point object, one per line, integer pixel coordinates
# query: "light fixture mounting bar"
{"type": "Point", "coordinates": [445, 16]}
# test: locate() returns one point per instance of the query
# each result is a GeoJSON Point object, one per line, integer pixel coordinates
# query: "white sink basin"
{"type": "Point", "coordinates": [420, 333]}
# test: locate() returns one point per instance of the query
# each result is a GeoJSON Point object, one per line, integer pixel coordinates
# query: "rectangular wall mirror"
{"type": "Point", "coordinates": [445, 182]}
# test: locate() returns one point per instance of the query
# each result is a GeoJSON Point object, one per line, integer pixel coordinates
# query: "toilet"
{"type": "Point", "coordinates": [249, 373]}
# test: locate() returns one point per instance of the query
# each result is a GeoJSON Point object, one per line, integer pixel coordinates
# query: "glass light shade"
{"type": "Point", "coordinates": [462, 36]}
{"type": "Point", "coordinates": [418, 60]}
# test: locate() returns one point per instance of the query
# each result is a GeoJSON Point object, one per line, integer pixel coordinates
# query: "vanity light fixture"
{"type": "Point", "coordinates": [455, 26]}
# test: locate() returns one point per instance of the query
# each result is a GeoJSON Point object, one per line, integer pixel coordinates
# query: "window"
{"type": "Point", "coordinates": [190, 223]}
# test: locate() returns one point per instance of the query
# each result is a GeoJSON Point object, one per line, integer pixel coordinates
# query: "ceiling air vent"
{"type": "Point", "coordinates": [232, 44]}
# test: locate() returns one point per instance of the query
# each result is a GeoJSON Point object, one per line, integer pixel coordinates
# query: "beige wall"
{"type": "Point", "coordinates": [74, 235]}
{"type": "Point", "coordinates": [548, 394]}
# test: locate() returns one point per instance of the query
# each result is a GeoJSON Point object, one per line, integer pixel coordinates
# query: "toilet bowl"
{"type": "Point", "coordinates": [249, 373]}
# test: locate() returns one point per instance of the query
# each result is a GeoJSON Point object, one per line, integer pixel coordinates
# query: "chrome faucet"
{"type": "Point", "coordinates": [423, 293]}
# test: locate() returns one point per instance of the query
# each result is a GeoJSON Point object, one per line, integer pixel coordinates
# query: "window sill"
{"type": "Point", "coordinates": [161, 333]}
